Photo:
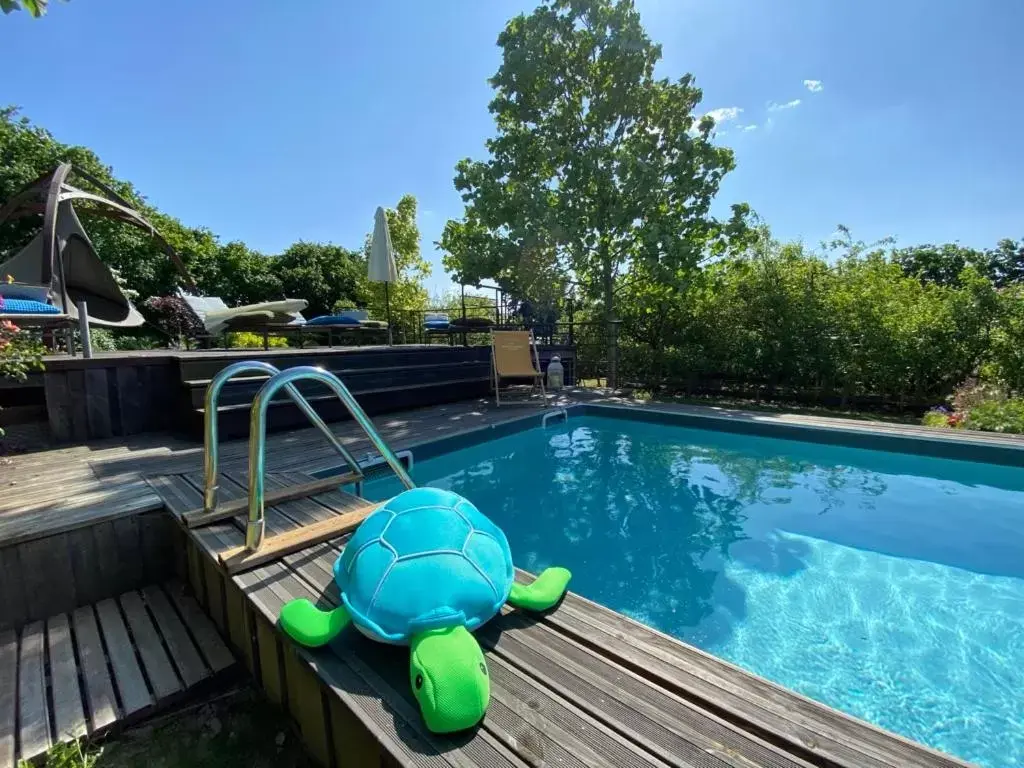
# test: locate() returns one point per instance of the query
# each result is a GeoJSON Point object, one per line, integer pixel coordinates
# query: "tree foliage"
{"type": "Point", "coordinates": [324, 274]}
{"type": "Point", "coordinates": [852, 323]}
{"type": "Point", "coordinates": [35, 7]}
{"type": "Point", "coordinates": [597, 165]}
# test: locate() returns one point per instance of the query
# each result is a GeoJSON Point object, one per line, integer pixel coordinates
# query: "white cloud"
{"type": "Point", "coordinates": [724, 114]}
{"type": "Point", "coordinates": [748, 128]}
{"type": "Point", "coordinates": [814, 86]}
{"type": "Point", "coordinates": [776, 107]}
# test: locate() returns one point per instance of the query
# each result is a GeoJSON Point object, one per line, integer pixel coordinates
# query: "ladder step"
{"type": "Point", "coordinates": [197, 517]}
{"type": "Point", "coordinates": [240, 559]}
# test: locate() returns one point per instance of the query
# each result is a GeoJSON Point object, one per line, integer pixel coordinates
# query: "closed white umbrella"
{"type": "Point", "coordinates": [382, 267]}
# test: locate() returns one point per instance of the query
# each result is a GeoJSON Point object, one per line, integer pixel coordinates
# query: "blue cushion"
{"type": "Point", "coordinates": [333, 320]}
{"type": "Point", "coordinates": [27, 307]}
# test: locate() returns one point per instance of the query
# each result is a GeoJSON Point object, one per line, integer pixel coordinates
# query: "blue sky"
{"type": "Point", "coordinates": [323, 110]}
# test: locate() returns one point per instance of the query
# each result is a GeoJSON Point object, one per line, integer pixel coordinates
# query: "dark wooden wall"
{"type": "Point", "coordinates": [134, 392]}
{"type": "Point", "coordinates": [93, 399]}
{"type": "Point", "coordinates": [55, 574]}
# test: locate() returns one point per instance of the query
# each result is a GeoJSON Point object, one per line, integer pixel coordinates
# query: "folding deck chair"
{"type": "Point", "coordinates": [514, 356]}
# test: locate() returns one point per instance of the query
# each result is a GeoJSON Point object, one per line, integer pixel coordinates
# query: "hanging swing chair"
{"type": "Point", "coordinates": [60, 263]}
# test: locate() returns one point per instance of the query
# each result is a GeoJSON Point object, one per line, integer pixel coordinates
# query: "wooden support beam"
{"type": "Point", "coordinates": [197, 517]}
{"type": "Point", "coordinates": [240, 559]}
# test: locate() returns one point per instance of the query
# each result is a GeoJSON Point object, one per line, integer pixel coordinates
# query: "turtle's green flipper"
{"type": "Point", "coordinates": [543, 593]}
{"type": "Point", "coordinates": [308, 625]}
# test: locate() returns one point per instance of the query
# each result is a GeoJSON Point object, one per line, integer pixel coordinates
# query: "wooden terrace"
{"type": "Point", "coordinates": [580, 686]}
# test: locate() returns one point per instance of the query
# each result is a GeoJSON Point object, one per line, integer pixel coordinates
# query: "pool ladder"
{"type": "Point", "coordinates": [554, 415]}
{"type": "Point", "coordinates": [258, 548]}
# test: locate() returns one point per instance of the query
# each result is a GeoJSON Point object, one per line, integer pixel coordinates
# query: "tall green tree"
{"type": "Point", "coordinates": [940, 264]}
{"type": "Point", "coordinates": [1006, 263]}
{"type": "Point", "coordinates": [597, 164]}
{"type": "Point", "coordinates": [35, 7]}
{"type": "Point", "coordinates": [321, 273]}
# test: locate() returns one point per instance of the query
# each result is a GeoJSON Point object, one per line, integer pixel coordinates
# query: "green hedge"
{"type": "Point", "coordinates": [782, 321]}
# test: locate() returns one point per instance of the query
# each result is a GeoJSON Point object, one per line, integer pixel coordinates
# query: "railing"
{"type": "Point", "coordinates": [258, 437]}
{"type": "Point", "coordinates": [210, 441]}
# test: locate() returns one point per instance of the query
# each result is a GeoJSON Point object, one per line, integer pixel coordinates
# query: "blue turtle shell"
{"type": "Point", "coordinates": [426, 559]}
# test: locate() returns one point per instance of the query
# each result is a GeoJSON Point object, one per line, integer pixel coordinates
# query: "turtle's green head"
{"type": "Point", "coordinates": [449, 677]}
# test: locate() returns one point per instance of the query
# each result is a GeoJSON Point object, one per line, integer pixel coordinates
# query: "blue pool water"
{"type": "Point", "coordinates": [886, 585]}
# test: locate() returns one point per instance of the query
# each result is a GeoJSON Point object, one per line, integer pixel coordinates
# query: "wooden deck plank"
{"type": "Point", "coordinates": [162, 677]}
{"type": "Point", "coordinates": [99, 690]}
{"type": "Point", "coordinates": [68, 513]}
{"type": "Point", "coordinates": [68, 716]}
{"type": "Point", "coordinates": [33, 714]}
{"type": "Point", "coordinates": [12, 590]}
{"type": "Point", "coordinates": [806, 726]}
{"type": "Point", "coordinates": [227, 509]}
{"type": "Point", "coordinates": [653, 730]}
{"type": "Point", "coordinates": [388, 712]}
{"type": "Point", "coordinates": [47, 574]}
{"type": "Point", "coordinates": [127, 570]}
{"type": "Point", "coordinates": [131, 685]}
{"type": "Point", "coordinates": [277, 546]}
{"type": "Point", "coordinates": [8, 694]}
{"type": "Point", "coordinates": [318, 571]}
{"type": "Point", "coordinates": [553, 729]}
{"type": "Point", "coordinates": [183, 652]}
{"type": "Point", "coordinates": [629, 706]}
{"type": "Point", "coordinates": [211, 646]}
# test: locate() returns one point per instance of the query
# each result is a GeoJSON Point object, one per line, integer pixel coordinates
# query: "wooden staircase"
{"type": "Point", "coordinates": [382, 380]}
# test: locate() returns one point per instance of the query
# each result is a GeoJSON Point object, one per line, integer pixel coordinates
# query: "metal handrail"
{"type": "Point", "coordinates": [211, 450]}
{"type": "Point", "coordinates": [258, 438]}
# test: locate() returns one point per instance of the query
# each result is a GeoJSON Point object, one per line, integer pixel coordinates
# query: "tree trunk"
{"type": "Point", "coordinates": [608, 285]}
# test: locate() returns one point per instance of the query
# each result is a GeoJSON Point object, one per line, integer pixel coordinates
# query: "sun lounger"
{"type": "Point", "coordinates": [217, 317]}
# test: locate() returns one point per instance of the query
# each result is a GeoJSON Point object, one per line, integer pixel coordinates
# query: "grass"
{"type": "Point", "coordinates": [241, 730]}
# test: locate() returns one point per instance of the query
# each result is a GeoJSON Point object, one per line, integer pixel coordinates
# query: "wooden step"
{"type": "Point", "coordinates": [196, 518]}
{"type": "Point", "coordinates": [331, 396]}
{"type": "Point", "coordinates": [239, 559]}
{"type": "Point", "coordinates": [343, 372]}
{"type": "Point", "coordinates": [207, 365]}
{"type": "Point", "coordinates": [358, 383]}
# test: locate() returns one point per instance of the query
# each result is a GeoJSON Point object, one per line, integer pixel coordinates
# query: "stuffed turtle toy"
{"type": "Point", "coordinates": [425, 570]}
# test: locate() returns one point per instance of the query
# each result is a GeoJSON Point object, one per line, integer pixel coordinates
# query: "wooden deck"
{"type": "Point", "coordinates": [67, 488]}
{"type": "Point", "coordinates": [100, 666]}
{"type": "Point", "coordinates": [581, 686]}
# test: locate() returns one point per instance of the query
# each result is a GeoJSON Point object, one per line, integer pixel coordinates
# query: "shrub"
{"type": "Point", "coordinates": [174, 317]}
{"type": "Point", "coordinates": [105, 340]}
{"type": "Point", "coordinates": [248, 340]}
{"type": "Point", "coordinates": [973, 392]}
{"type": "Point", "coordinates": [998, 416]}
{"type": "Point", "coordinates": [20, 352]}
{"type": "Point", "coordinates": [936, 417]}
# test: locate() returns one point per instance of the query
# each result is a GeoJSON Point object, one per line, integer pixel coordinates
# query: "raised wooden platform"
{"type": "Point", "coordinates": [581, 686]}
{"type": "Point", "coordinates": [85, 672]}
{"type": "Point", "coordinates": [131, 393]}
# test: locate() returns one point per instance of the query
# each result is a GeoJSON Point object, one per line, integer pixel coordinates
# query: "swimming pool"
{"type": "Point", "coordinates": [887, 585]}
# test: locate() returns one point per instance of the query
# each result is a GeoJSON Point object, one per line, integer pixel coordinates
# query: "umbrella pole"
{"type": "Point", "coordinates": [387, 311]}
